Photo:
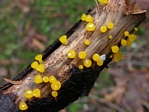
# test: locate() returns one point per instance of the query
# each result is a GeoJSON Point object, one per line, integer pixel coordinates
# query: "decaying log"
{"type": "Point", "coordinates": [75, 82]}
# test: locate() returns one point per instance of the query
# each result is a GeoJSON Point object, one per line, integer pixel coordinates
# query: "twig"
{"type": "Point", "coordinates": [134, 63]}
{"type": "Point", "coordinates": [13, 82]}
{"type": "Point", "coordinates": [111, 105]}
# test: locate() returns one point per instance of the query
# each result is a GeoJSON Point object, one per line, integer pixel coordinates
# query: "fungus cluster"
{"type": "Point", "coordinates": [38, 79]}
{"type": "Point", "coordinates": [32, 93]}
{"type": "Point", "coordinates": [90, 27]}
{"type": "Point", "coordinates": [126, 41]}
{"type": "Point", "coordinates": [81, 55]}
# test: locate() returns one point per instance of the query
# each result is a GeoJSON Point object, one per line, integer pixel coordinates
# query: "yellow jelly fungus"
{"type": "Point", "coordinates": [83, 17]}
{"type": "Point", "coordinates": [90, 27]}
{"type": "Point", "coordinates": [110, 56]}
{"type": "Point", "coordinates": [96, 57]}
{"type": "Point", "coordinates": [82, 54]}
{"type": "Point", "coordinates": [40, 68]}
{"type": "Point", "coordinates": [132, 37]}
{"type": "Point", "coordinates": [38, 79]}
{"type": "Point", "coordinates": [103, 1]}
{"type": "Point", "coordinates": [129, 43]}
{"type": "Point", "coordinates": [117, 56]}
{"type": "Point", "coordinates": [123, 42]}
{"type": "Point", "coordinates": [136, 29]}
{"type": "Point", "coordinates": [28, 93]}
{"type": "Point", "coordinates": [56, 85]}
{"type": "Point", "coordinates": [71, 54]}
{"type": "Point", "coordinates": [81, 67]}
{"type": "Point", "coordinates": [110, 37]}
{"type": "Point", "coordinates": [52, 79]}
{"type": "Point", "coordinates": [103, 29]}
{"type": "Point", "coordinates": [110, 25]}
{"type": "Point", "coordinates": [87, 42]}
{"type": "Point", "coordinates": [39, 58]}
{"type": "Point", "coordinates": [23, 106]}
{"type": "Point", "coordinates": [45, 79]}
{"type": "Point", "coordinates": [89, 19]}
{"type": "Point", "coordinates": [115, 49]}
{"type": "Point", "coordinates": [100, 62]}
{"type": "Point", "coordinates": [34, 64]}
{"type": "Point", "coordinates": [126, 33]}
{"type": "Point", "coordinates": [63, 40]}
{"type": "Point", "coordinates": [54, 94]}
{"type": "Point", "coordinates": [37, 93]}
{"type": "Point", "coordinates": [87, 63]}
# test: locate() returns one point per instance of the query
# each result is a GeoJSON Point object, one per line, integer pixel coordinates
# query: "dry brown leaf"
{"type": "Point", "coordinates": [133, 98]}
{"type": "Point", "coordinates": [23, 5]}
{"type": "Point", "coordinates": [115, 96]}
{"type": "Point", "coordinates": [131, 88]}
{"type": "Point", "coordinates": [35, 41]}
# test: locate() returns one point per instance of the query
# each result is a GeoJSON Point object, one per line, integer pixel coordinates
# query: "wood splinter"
{"type": "Point", "coordinates": [68, 68]}
{"type": "Point", "coordinates": [13, 82]}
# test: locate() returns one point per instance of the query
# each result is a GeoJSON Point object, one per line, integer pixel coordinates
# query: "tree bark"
{"type": "Point", "coordinates": [75, 82]}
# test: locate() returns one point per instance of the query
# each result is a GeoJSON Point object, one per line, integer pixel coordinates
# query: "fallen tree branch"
{"type": "Point", "coordinates": [75, 82]}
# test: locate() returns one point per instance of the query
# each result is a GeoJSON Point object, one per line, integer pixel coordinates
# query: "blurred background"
{"type": "Point", "coordinates": [27, 27]}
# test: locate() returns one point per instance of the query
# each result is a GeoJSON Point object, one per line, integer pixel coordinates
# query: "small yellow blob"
{"type": "Point", "coordinates": [103, 29]}
{"type": "Point", "coordinates": [38, 79]}
{"type": "Point", "coordinates": [100, 62]}
{"type": "Point", "coordinates": [37, 93]}
{"type": "Point", "coordinates": [126, 33]}
{"type": "Point", "coordinates": [56, 85]}
{"type": "Point", "coordinates": [82, 54]}
{"type": "Point", "coordinates": [54, 94]}
{"type": "Point", "coordinates": [39, 58]}
{"type": "Point", "coordinates": [117, 56]}
{"type": "Point", "coordinates": [132, 37]}
{"type": "Point", "coordinates": [41, 68]}
{"type": "Point", "coordinates": [34, 64]}
{"type": "Point", "coordinates": [81, 67]}
{"type": "Point", "coordinates": [83, 17]}
{"type": "Point", "coordinates": [52, 79]}
{"type": "Point", "coordinates": [136, 29]}
{"type": "Point", "coordinates": [111, 56]}
{"type": "Point", "coordinates": [90, 27]}
{"type": "Point", "coordinates": [87, 42]}
{"type": "Point", "coordinates": [103, 1]}
{"type": "Point", "coordinates": [129, 43]}
{"type": "Point", "coordinates": [110, 37]}
{"type": "Point", "coordinates": [123, 42]}
{"type": "Point", "coordinates": [23, 106]}
{"type": "Point", "coordinates": [110, 25]}
{"type": "Point", "coordinates": [89, 19]}
{"type": "Point", "coordinates": [115, 49]}
{"type": "Point", "coordinates": [28, 93]}
{"type": "Point", "coordinates": [63, 40]}
{"type": "Point", "coordinates": [45, 79]}
{"type": "Point", "coordinates": [87, 63]}
{"type": "Point", "coordinates": [96, 57]}
{"type": "Point", "coordinates": [71, 54]}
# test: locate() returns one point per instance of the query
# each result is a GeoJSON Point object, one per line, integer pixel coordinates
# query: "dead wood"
{"type": "Point", "coordinates": [75, 82]}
